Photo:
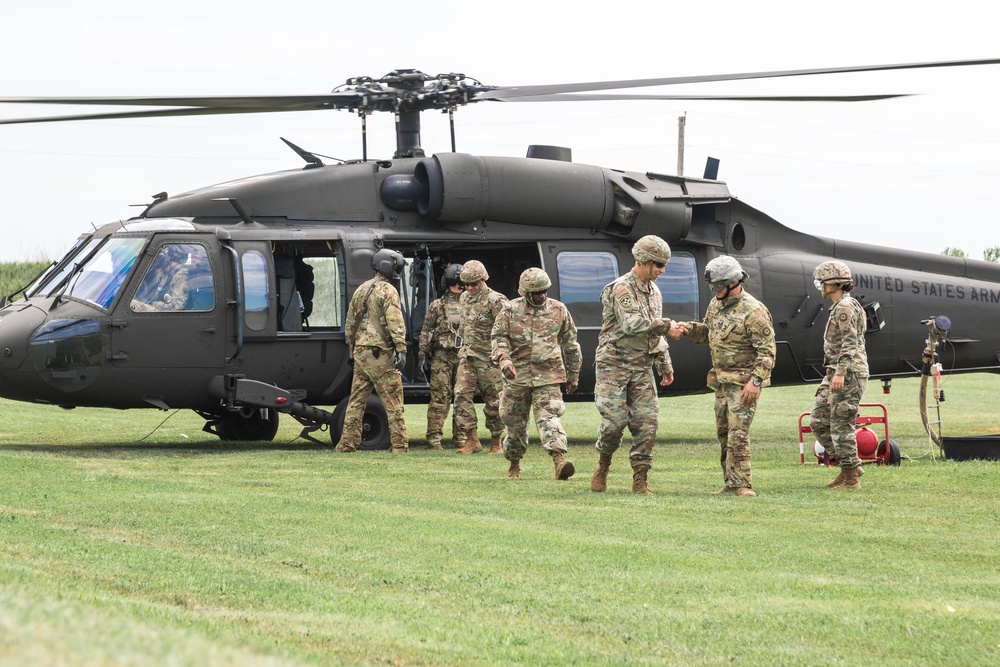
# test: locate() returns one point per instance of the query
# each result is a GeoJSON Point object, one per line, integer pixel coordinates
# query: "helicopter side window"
{"type": "Point", "coordinates": [100, 278]}
{"type": "Point", "coordinates": [582, 277]}
{"type": "Point", "coordinates": [255, 286]}
{"type": "Point", "coordinates": [178, 279]}
{"type": "Point", "coordinates": [679, 285]}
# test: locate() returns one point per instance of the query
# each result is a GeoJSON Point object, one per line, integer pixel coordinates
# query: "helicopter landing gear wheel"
{"type": "Point", "coordinates": [248, 424]}
{"type": "Point", "coordinates": [374, 424]}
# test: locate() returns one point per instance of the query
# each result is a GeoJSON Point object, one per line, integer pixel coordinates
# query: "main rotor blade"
{"type": "Point", "coordinates": [511, 92]}
{"type": "Point", "coordinates": [598, 97]}
{"type": "Point", "coordinates": [275, 102]}
{"type": "Point", "coordinates": [197, 111]}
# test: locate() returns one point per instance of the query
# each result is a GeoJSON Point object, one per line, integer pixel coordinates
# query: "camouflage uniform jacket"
{"type": "Point", "coordinates": [844, 338]}
{"type": "Point", "coordinates": [632, 327]}
{"type": "Point", "coordinates": [740, 336]}
{"type": "Point", "coordinates": [444, 316]}
{"type": "Point", "coordinates": [540, 341]}
{"type": "Point", "coordinates": [479, 312]}
{"type": "Point", "coordinates": [375, 318]}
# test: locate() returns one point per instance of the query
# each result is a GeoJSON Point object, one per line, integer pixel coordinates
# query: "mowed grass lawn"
{"type": "Point", "coordinates": [126, 544]}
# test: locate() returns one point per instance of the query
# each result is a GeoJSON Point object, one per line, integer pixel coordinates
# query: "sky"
{"type": "Point", "coordinates": [917, 172]}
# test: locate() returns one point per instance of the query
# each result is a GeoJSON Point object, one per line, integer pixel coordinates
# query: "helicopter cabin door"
{"type": "Point", "coordinates": [172, 313]}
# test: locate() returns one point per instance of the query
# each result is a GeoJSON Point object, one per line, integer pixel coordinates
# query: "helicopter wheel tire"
{"type": "Point", "coordinates": [894, 456]}
{"type": "Point", "coordinates": [249, 424]}
{"type": "Point", "coordinates": [374, 425]}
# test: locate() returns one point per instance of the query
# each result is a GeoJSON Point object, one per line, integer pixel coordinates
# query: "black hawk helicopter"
{"type": "Point", "coordinates": [269, 263]}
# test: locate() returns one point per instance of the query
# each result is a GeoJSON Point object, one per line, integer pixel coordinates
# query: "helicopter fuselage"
{"type": "Point", "coordinates": [269, 263]}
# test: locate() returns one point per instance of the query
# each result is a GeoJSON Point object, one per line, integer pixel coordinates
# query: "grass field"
{"type": "Point", "coordinates": [129, 540]}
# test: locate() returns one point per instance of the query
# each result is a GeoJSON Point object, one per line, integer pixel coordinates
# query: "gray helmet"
{"type": "Point", "coordinates": [452, 276]}
{"type": "Point", "coordinates": [388, 262]}
{"type": "Point", "coordinates": [832, 272]}
{"type": "Point", "coordinates": [473, 271]}
{"type": "Point", "coordinates": [722, 272]}
{"type": "Point", "coordinates": [533, 280]}
{"type": "Point", "coordinates": [651, 249]}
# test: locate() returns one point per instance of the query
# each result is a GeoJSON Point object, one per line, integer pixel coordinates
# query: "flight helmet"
{"type": "Point", "coordinates": [388, 262]}
{"type": "Point", "coordinates": [452, 276]}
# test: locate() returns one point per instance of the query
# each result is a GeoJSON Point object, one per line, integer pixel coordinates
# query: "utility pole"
{"type": "Point", "coordinates": [681, 121]}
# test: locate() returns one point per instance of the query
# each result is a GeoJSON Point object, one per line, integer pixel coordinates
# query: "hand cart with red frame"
{"type": "Point", "coordinates": [885, 453]}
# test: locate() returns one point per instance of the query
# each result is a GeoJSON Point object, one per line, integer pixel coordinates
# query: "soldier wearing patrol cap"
{"type": "Point", "coordinates": [480, 308]}
{"type": "Point", "coordinates": [534, 344]}
{"type": "Point", "coordinates": [630, 344]}
{"type": "Point", "coordinates": [834, 416]}
{"type": "Point", "coordinates": [376, 338]}
{"type": "Point", "coordinates": [738, 331]}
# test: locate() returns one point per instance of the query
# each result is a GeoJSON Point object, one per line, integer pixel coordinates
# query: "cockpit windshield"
{"type": "Point", "coordinates": [100, 278]}
{"type": "Point", "coordinates": [52, 279]}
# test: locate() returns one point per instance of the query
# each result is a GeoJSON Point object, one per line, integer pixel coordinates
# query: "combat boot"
{"type": "Point", "coordinates": [639, 484]}
{"type": "Point", "coordinates": [471, 444]}
{"type": "Point", "coordinates": [599, 482]}
{"type": "Point", "coordinates": [723, 490]}
{"type": "Point", "coordinates": [851, 481]}
{"type": "Point", "coordinates": [744, 491]}
{"type": "Point", "coordinates": [514, 472]}
{"type": "Point", "coordinates": [564, 468]}
{"type": "Point", "coordinates": [434, 442]}
{"type": "Point", "coordinates": [838, 480]}
{"type": "Point", "coordinates": [496, 446]}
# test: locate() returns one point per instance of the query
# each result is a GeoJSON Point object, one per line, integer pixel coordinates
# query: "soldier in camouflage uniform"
{"type": "Point", "coordinates": [439, 340]}
{"type": "Point", "coordinates": [376, 338]}
{"type": "Point", "coordinates": [738, 330]}
{"type": "Point", "coordinates": [834, 417]}
{"type": "Point", "coordinates": [629, 346]}
{"type": "Point", "coordinates": [534, 344]}
{"type": "Point", "coordinates": [480, 308]}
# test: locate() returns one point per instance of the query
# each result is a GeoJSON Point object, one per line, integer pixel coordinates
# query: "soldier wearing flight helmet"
{"type": "Point", "coordinates": [439, 342]}
{"type": "Point", "coordinates": [738, 331]}
{"type": "Point", "coordinates": [376, 339]}
{"type": "Point", "coordinates": [834, 415]}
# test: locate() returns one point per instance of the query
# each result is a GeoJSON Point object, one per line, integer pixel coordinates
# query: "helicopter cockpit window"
{"type": "Point", "coordinates": [582, 277]}
{"type": "Point", "coordinates": [255, 286]}
{"type": "Point", "coordinates": [178, 279]}
{"type": "Point", "coordinates": [100, 278]}
{"type": "Point", "coordinates": [50, 282]}
{"type": "Point", "coordinates": [679, 285]}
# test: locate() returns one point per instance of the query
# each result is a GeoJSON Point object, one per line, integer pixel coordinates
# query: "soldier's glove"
{"type": "Point", "coordinates": [400, 360]}
{"type": "Point", "coordinates": [422, 362]}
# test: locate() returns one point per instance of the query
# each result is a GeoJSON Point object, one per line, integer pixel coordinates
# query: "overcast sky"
{"type": "Point", "coordinates": [917, 172]}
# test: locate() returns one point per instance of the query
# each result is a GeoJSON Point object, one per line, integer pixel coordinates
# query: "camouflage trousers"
{"type": "Point", "coordinates": [478, 374]}
{"type": "Point", "coordinates": [834, 418]}
{"type": "Point", "coordinates": [627, 397]}
{"type": "Point", "coordinates": [444, 370]}
{"type": "Point", "coordinates": [732, 426]}
{"type": "Point", "coordinates": [381, 376]}
{"type": "Point", "coordinates": [516, 402]}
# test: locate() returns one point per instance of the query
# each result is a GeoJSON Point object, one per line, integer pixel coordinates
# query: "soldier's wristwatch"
{"type": "Point", "coordinates": [755, 382]}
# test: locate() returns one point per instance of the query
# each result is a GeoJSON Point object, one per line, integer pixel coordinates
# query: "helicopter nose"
{"type": "Point", "coordinates": [17, 322]}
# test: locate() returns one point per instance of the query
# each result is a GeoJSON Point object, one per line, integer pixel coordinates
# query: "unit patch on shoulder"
{"type": "Point", "coordinates": [625, 300]}
{"type": "Point", "coordinates": [843, 317]}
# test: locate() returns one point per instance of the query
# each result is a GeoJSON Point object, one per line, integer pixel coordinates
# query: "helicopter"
{"type": "Point", "coordinates": [269, 263]}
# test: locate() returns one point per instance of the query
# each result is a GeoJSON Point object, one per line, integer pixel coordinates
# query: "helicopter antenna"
{"type": "Point", "coordinates": [310, 158]}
